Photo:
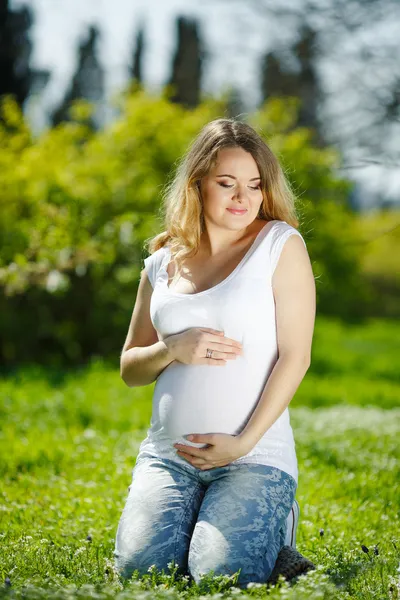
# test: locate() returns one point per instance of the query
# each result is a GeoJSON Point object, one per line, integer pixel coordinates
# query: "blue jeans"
{"type": "Point", "coordinates": [221, 519]}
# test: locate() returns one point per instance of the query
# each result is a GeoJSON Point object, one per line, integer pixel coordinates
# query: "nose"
{"type": "Point", "coordinates": [240, 193]}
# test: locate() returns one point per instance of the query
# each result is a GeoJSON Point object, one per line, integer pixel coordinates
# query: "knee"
{"type": "Point", "coordinates": [130, 556]}
{"type": "Point", "coordinates": [198, 570]}
{"type": "Point", "coordinates": [216, 559]}
{"type": "Point", "coordinates": [126, 564]}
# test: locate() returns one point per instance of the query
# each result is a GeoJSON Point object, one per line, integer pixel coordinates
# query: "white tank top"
{"type": "Point", "coordinates": [209, 399]}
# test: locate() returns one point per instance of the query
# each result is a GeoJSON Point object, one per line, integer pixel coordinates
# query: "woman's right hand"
{"type": "Point", "coordinates": [190, 347]}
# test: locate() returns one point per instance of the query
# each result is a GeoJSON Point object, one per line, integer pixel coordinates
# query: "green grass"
{"type": "Point", "coordinates": [68, 443]}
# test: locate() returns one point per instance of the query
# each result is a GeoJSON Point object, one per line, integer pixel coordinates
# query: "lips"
{"type": "Point", "coordinates": [237, 210]}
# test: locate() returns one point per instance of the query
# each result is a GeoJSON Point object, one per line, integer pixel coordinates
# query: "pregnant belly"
{"type": "Point", "coordinates": [203, 399]}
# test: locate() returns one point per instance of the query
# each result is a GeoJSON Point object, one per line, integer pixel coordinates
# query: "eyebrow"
{"type": "Point", "coordinates": [233, 177]}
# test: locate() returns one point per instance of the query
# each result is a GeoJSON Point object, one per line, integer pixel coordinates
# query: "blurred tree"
{"type": "Point", "coordinates": [359, 42]}
{"type": "Point", "coordinates": [280, 80]}
{"type": "Point", "coordinates": [136, 69]}
{"type": "Point", "coordinates": [87, 83]}
{"type": "Point", "coordinates": [235, 106]}
{"type": "Point", "coordinates": [187, 66]}
{"type": "Point", "coordinates": [15, 52]}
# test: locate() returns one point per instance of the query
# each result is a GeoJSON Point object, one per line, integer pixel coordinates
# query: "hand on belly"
{"type": "Point", "coordinates": [220, 449]}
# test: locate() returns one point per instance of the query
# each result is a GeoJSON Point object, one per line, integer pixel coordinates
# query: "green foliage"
{"type": "Point", "coordinates": [69, 440]}
{"type": "Point", "coordinates": [381, 259]}
{"type": "Point", "coordinates": [76, 207]}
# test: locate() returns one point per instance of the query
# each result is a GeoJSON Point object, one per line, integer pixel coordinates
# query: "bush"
{"type": "Point", "coordinates": [77, 206]}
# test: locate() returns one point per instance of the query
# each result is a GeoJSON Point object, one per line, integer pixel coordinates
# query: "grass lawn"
{"type": "Point", "coordinates": [68, 442]}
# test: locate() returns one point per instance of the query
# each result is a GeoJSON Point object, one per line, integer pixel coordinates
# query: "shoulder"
{"type": "Point", "coordinates": [156, 256]}
{"type": "Point", "coordinates": [154, 262]}
{"type": "Point", "coordinates": [282, 229]}
{"type": "Point", "coordinates": [280, 234]}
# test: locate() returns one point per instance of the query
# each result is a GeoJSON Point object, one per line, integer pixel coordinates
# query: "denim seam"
{"type": "Point", "coordinates": [198, 486]}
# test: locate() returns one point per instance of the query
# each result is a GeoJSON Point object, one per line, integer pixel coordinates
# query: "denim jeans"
{"type": "Point", "coordinates": [221, 519]}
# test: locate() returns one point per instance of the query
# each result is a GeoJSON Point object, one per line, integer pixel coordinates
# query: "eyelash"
{"type": "Point", "coordinates": [229, 186]}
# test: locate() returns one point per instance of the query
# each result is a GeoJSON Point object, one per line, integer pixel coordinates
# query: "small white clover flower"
{"type": "Point", "coordinates": [234, 590]}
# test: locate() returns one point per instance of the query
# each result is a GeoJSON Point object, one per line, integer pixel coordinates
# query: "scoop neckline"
{"type": "Point", "coordinates": [230, 276]}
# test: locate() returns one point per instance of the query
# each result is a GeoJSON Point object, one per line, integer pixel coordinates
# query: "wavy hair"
{"type": "Point", "coordinates": [181, 207]}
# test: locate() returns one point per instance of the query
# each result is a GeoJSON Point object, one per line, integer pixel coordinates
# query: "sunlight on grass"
{"type": "Point", "coordinates": [68, 448]}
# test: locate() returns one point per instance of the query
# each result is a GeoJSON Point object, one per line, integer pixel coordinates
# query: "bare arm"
{"type": "Point", "coordinates": [141, 366]}
{"type": "Point", "coordinates": [143, 356]}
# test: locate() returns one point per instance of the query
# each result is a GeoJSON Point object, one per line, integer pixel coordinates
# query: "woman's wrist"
{"type": "Point", "coordinates": [246, 442]}
{"type": "Point", "coordinates": [170, 346]}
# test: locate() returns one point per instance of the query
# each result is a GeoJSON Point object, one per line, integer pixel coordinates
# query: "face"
{"type": "Point", "coordinates": [234, 182]}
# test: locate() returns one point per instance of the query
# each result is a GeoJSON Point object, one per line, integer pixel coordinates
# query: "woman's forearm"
{"type": "Point", "coordinates": [280, 388]}
{"type": "Point", "coordinates": [142, 365]}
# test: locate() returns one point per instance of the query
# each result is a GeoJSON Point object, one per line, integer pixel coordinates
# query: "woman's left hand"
{"type": "Point", "coordinates": [223, 448]}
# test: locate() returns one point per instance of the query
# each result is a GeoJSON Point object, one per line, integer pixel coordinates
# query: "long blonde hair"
{"type": "Point", "coordinates": [181, 208]}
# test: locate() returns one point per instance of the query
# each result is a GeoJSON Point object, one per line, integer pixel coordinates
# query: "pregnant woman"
{"type": "Point", "coordinates": [223, 322]}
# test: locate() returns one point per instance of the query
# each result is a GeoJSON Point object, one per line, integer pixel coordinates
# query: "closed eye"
{"type": "Point", "coordinates": [225, 185]}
